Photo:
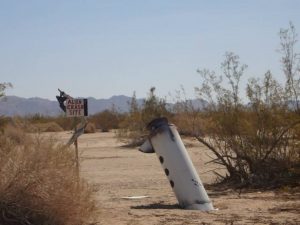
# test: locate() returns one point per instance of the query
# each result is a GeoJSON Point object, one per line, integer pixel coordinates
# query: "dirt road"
{"type": "Point", "coordinates": [116, 172]}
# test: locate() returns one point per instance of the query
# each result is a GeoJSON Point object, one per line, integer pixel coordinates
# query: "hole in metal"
{"type": "Point", "coordinates": [167, 172]}
{"type": "Point", "coordinates": [161, 159]}
{"type": "Point", "coordinates": [172, 183]}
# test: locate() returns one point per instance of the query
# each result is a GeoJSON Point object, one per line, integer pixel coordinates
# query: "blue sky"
{"type": "Point", "coordinates": [101, 48]}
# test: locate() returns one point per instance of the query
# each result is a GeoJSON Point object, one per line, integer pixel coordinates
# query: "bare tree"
{"type": "Point", "coordinates": [4, 86]}
{"type": "Point", "coordinates": [133, 127]}
{"type": "Point", "coordinates": [291, 63]}
{"type": "Point", "coordinates": [257, 143]}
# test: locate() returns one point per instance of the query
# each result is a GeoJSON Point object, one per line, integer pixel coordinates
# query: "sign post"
{"type": "Point", "coordinates": [74, 108]}
{"type": "Point", "coordinates": [76, 154]}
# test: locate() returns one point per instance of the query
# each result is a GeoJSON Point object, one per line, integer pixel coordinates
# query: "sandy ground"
{"type": "Point", "coordinates": [116, 172]}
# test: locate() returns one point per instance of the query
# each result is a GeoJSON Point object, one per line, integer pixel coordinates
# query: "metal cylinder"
{"type": "Point", "coordinates": [177, 165]}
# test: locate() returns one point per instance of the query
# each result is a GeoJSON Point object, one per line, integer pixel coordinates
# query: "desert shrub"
{"type": "Point", "coordinates": [64, 122]}
{"type": "Point", "coordinates": [258, 142]}
{"type": "Point", "coordinates": [15, 135]}
{"type": "Point", "coordinates": [132, 128]}
{"type": "Point", "coordinates": [90, 128]}
{"type": "Point", "coordinates": [38, 118]}
{"type": "Point", "coordinates": [21, 123]}
{"type": "Point", "coordinates": [3, 122]}
{"type": "Point", "coordinates": [4, 86]}
{"type": "Point", "coordinates": [48, 127]}
{"type": "Point", "coordinates": [106, 120]}
{"type": "Point", "coordinates": [153, 107]}
{"type": "Point", "coordinates": [188, 122]}
{"type": "Point", "coordinates": [38, 184]}
{"type": "Point", "coordinates": [52, 127]}
{"type": "Point", "coordinates": [186, 114]}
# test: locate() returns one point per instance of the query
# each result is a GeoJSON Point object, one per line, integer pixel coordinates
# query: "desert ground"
{"type": "Point", "coordinates": [115, 173]}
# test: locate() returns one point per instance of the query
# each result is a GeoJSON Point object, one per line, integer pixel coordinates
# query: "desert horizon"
{"type": "Point", "coordinates": [96, 96]}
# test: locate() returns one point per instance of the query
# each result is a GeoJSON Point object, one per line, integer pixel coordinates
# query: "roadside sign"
{"type": "Point", "coordinates": [76, 107]}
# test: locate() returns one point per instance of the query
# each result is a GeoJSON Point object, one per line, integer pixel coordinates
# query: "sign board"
{"type": "Point", "coordinates": [76, 107]}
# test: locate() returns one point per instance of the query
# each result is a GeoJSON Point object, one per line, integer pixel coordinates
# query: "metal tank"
{"type": "Point", "coordinates": [165, 141]}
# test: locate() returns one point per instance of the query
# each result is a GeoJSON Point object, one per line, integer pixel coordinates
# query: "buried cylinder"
{"type": "Point", "coordinates": [165, 141]}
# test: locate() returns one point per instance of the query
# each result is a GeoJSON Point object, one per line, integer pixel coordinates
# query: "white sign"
{"type": "Point", "coordinates": [76, 107]}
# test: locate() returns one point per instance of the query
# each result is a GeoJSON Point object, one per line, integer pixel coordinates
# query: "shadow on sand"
{"type": "Point", "coordinates": [157, 206]}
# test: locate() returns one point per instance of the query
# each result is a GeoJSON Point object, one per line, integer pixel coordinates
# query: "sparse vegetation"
{"type": "Point", "coordinates": [255, 138]}
{"type": "Point", "coordinates": [38, 184]}
{"type": "Point", "coordinates": [90, 128]}
{"type": "Point", "coordinates": [186, 115]}
{"type": "Point", "coordinates": [258, 142]}
{"type": "Point", "coordinates": [106, 120]}
{"type": "Point", "coordinates": [133, 128]}
{"type": "Point", "coordinates": [48, 127]}
{"type": "Point", "coordinates": [4, 86]}
{"type": "Point", "coordinates": [46, 123]}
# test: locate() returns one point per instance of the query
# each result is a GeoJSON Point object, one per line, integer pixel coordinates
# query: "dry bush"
{"type": "Point", "coordinates": [188, 121]}
{"type": "Point", "coordinates": [131, 137]}
{"type": "Point", "coordinates": [106, 120]}
{"type": "Point", "coordinates": [188, 114]}
{"type": "Point", "coordinates": [90, 128]}
{"type": "Point", "coordinates": [64, 122]}
{"type": "Point", "coordinates": [38, 184]}
{"type": "Point", "coordinates": [257, 143]}
{"type": "Point", "coordinates": [15, 135]}
{"type": "Point", "coordinates": [4, 86]}
{"type": "Point", "coordinates": [36, 121]}
{"type": "Point", "coordinates": [48, 127]}
{"type": "Point", "coordinates": [20, 123]}
{"type": "Point", "coordinates": [3, 122]}
{"type": "Point", "coordinates": [38, 118]}
{"type": "Point", "coordinates": [132, 129]}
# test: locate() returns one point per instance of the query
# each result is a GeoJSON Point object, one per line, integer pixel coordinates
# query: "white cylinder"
{"type": "Point", "coordinates": [178, 166]}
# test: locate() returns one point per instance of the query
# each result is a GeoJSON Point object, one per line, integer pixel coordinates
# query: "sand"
{"type": "Point", "coordinates": [131, 188]}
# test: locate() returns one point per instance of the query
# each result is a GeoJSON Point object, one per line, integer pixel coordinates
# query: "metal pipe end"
{"type": "Point", "coordinates": [156, 123]}
{"type": "Point", "coordinates": [146, 147]}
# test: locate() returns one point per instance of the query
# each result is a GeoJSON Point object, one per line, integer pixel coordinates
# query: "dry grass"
{"type": "Point", "coordinates": [38, 183]}
{"type": "Point", "coordinates": [48, 127]}
{"type": "Point", "coordinates": [90, 128]}
{"type": "Point", "coordinates": [15, 135]}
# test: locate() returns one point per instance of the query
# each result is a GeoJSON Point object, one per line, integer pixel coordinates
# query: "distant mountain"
{"type": "Point", "coordinates": [13, 105]}
{"type": "Point", "coordinates": [120, 103]}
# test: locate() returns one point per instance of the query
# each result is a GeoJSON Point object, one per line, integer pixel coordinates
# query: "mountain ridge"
{"type": "Point", "coordinates": [19, 106]}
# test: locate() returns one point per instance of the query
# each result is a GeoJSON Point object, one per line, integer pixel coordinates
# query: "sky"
{"type": "Point", "coordinates": [101, 48]}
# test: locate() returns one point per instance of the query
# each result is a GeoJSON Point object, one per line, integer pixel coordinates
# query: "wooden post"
{"type": "Point", "coordinates": [76, 153]}
{"type": "Point", "coordinates": [76, 158]}
{"type": "Point", "coordinates": [74, 108]}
